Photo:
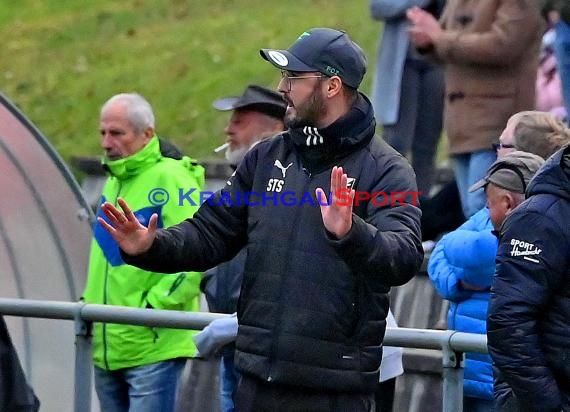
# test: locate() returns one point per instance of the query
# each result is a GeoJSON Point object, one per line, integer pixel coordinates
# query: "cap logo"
{"type": "Point", "coordinates": [304, 34]}
{"type": "Point", "coordinates": [278, 57]}
{"type": "Point", "coordinates": [332, 71]}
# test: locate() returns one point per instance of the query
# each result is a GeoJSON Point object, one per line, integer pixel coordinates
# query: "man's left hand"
{"type": "Point", "coordinates": [337, 215]}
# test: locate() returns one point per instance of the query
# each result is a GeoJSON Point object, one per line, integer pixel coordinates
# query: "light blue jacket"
{"type": "Point", "coordinates": [467, 256]}
{"type": "Point", "coordinates": [391, 55]}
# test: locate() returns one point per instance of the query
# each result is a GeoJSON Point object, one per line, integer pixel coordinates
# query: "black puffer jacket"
{"type": "Point", "coordinates": [15, 393]}
{"type": "Point", "coordinates": [528, 327]}
{"type": "Point", "coordinates": [312, 309]}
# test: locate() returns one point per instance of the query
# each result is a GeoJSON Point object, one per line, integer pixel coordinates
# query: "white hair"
{"type": "Point", "coordinates": [139, 110]}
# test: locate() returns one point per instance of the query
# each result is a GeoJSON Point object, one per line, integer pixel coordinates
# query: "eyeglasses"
{"type": "Point", "coordinates": [497, 146]}
{"type": "Point", "coordinates": [287, 78]}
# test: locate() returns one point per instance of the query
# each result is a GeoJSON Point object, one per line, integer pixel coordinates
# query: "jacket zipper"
{"type": "Point", "coordinates": [104, 325]}
{"type": "Point", "coordinates": [179, 279]}
{"type": "Point", "coordinates": [293, 234]}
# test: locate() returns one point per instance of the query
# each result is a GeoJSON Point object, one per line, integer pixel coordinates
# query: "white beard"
{"type": "Point", "coordinates": [236, 156]}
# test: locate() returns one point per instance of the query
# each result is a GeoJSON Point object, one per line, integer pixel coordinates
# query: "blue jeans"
{"type": "Point", "coordinates": [562, 50]}
{"type": "Point", "coordinates": [146, 388]}
{"type": "Point", "coordinates": [469, 168]}
{"type": "Point", "coordinates": [228, 382]}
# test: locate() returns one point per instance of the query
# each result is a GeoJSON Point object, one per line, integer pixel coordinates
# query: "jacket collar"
{"type": "Point", "coordinates": [319, 148]}
{"type": "Point", "coordinates": [554, 176]}
{"type": "Point", "coordinates": [132, 165]}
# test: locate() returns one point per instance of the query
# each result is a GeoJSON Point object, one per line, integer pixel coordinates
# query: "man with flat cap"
{"type": "Point", "coordinates": [506, 182]}
{"type": "Point", "coordinates": [321, 254]}
{"type": "Point", "coordinates": [462, 265]}
{"type": "Point", "coordinates": [528, 327]}
{"type": "Point", "coordinates": [257, 114]}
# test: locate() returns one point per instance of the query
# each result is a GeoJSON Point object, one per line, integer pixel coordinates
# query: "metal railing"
{"type": "Point", "coordinates": [452, 344]}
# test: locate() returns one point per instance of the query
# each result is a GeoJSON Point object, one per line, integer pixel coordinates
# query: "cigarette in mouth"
{"type": "Point", "coordinates": [220, 148]}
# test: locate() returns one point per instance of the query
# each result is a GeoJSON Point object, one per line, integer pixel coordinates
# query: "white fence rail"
{"type": "Point", "coordinates": [452, 344]}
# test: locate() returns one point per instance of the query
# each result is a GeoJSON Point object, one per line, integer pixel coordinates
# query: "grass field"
{"type": "Point", "coordinates": [62, 59]}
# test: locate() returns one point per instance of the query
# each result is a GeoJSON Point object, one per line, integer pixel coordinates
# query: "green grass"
{"type": "Point", "coordinates": [61, 59]}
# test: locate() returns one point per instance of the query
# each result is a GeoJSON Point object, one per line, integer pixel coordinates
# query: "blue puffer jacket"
{"type": "Point", "coordinates": [463, 258]}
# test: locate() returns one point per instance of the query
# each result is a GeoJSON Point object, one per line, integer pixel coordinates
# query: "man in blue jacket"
{"type": "Point", "coordinates": [463, 262]}
{"type": "Point", "coordinates": [528, 327]}
{"type": "Point", "coordinates": [328, 215]}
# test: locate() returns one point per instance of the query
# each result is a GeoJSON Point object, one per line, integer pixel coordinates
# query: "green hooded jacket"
{"type": "Point", "coordinates": [150, 183]}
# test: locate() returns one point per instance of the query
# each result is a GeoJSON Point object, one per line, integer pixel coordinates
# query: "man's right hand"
{"type": "Point", "coordinates": [131, 236]}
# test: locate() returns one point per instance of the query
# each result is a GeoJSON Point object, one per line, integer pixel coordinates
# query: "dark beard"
{"type": "Point", "coordinates": [309, 112]}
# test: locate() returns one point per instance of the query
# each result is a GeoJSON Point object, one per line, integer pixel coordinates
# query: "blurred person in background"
{"type": "Point", "coordinates": [557, 13]}
{"type": "Point", "coordinates": [540, 133]}
{"type": "Point", "coordinates": [256, 115]}
{"type": "Point", "coordinates": [548, 83]}
{"type": "Point", "coordinates": [489, 51]}
{"type": "Point", "coordinates": [407, 93]}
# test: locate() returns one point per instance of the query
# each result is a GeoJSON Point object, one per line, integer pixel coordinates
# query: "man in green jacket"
{"type": "Point", "coordinates": [137, 367]}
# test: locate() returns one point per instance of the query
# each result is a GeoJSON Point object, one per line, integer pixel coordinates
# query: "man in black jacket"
{"type": "Point", "coordinates": [328, 213]}
{"type": "Point", "coordinates": [256, 115]}
{"type": "Point", "coordinates": [528, 326]}
{"type": "Point", "coordinates": [16, 395]}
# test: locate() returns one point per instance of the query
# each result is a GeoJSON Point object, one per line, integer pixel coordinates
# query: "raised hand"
{"type": "Point", "coordinates": [131, 236]}
{"type": "Point", "coordinates": [424, 28]}
{"type": "Point", "coordinates": [337, 214]}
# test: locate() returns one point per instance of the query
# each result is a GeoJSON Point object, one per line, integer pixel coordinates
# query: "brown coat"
{"type": "Point", "coordinates": [490, 53]}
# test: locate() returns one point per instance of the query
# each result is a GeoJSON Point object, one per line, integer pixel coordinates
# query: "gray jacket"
{"type": "Point", "coordinates": [391, 55]}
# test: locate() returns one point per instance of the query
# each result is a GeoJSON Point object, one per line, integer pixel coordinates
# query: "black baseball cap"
{"type": "Point", "coordinates": [256, 98]}
{"type": "Point", "coordinates": [324, 50]}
